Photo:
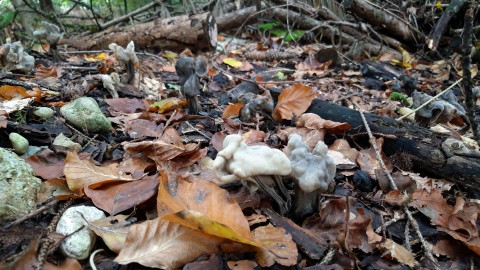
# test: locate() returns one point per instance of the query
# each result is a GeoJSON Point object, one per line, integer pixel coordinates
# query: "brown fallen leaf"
{"type": "Point", "coordinates": [232, 110]}
{"type": "Point", "coordinates": [276, 246]}
{"type": "Point", "coordinates": [117, 196]}
{"type": "Point", "coordinates": [195, 205]}
{"type": "Point", "coordinates": [82, 173]}
{"type": "Point", "coordinates": [162, 244]}
{"type": "Point", "coordinates": [294, 100]}
{"type": "Point", "coordinates": [113, 231]}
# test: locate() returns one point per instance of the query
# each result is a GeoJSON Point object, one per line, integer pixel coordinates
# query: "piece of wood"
{"type": "Point", "coordinates": [423, 145]}
{"type": "Point", "coordinates": [442, 23]}
{"type": "Point", "coordinates": [382, 17]}
{"type": "Point", "coordinates": [307, 241]}
{"type": "Point", "coordinates": [175, 33]}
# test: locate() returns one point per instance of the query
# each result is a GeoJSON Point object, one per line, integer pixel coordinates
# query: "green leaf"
{"type": "Point", "coordinates": [294, 35]}
{"type": "Point", "coordinates": [278, 32]}
{"type": "Point", "coordinates": [268, 26]}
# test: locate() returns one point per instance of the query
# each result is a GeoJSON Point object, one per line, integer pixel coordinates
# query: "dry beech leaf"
{"type": "Point", "coordinates": [313, 121]}
{"type": "Point", "coordinates": [241, 265]}
{"type": "Point", "coordinates": [277, 246]}
{"type": "Point", "coordinates": [82, 173]}
{"type": "Point", "coordinates": [294, 100]}
{"type": "Point", "coordinates": [161, 244]}
{"type": "Point", "coordinates": [44, 72]}
{"type": "Point", "coordinates": [47, 164]}
{"type": "Point", "coordinates": [9, 92]}
{"type": "Point", "coordinates": [156, 150]}
{"type": "Point", "coordinates": [196, 205]}
{"type": "Point", "coordinates": [232, 110]}
{"type": "Point", "coordinates": [398, 253]}
{"type": "Point", "coordinates": [113, 231]}
{"type": "Point", "coordinates": [367, 159]}
{"type": "Point", "coordinates": [118, 196]}
{"type": "Point", "coordinates": [54, 188]}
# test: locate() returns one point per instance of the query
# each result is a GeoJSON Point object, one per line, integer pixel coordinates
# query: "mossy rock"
{"type": "Point", "coordinates": [18, 186]}
{"type": "Point", "coordinates": [85, 114]}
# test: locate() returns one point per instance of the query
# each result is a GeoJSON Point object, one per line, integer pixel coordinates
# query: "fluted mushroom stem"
{"type": "Point", "coordinates": [270, 184]}
{"type": "Point", "coordinates": [305, 203]}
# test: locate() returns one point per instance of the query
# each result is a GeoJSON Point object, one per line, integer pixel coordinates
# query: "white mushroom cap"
{"type": "Point", "coordinates": [239, 161]}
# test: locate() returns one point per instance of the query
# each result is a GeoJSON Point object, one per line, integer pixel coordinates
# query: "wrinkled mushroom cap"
{"type": "Point", "coordinates": [311, 171]}
{"type": "Point", "coordinates": [239, 161]}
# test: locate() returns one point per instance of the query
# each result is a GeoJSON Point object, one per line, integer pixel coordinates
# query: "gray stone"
{"type": "Point", "coordinates": [19, 143]}
{"type": "Point", "coordinates": [44, 112]}
{"type": "Point", "coordinates": [62, 142]}
{"type": "Point", "coordinates": [84, 113]}
{"type": "Point", "coordinates": [79, 244]}
{"type": "Point", "coordinates": [18, 186]}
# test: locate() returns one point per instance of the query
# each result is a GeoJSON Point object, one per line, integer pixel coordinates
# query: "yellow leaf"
{"type": "Point", "coordinates": [169, 55]}
{"type": "Point", "coordinates": [196, 205]}
{"type": "Point", "coordinates": [200, 222]}
{"type": "Point", "coordinates": [293, 100]}
{"type": "Point", "coordinates": [232, 62]}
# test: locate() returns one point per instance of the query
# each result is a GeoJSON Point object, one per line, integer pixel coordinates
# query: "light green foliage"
{"type": "Point", "coordinates": [280, 75]}
{"type": "Point", "coordinates": [278, 30]}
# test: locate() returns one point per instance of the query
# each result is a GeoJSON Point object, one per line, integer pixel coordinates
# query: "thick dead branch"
{"type": "Point", "coordinates": [331, 33]}
{"type": "Point", "coordinates": [377, 16]}
{"type": "Point", "coordinates": [467, 73]}
{"type": "Point", "coordinates": [174, 33]}
{"type": "Point", "coordinates": [422, 145]}
{"type": "Point", "coordinates": [442, 23]}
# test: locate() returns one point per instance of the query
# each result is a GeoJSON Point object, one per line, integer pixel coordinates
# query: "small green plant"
{"type": "Point", "coordinates": [278, 30]}
{"type": "Point", "coordinates": [20, 117]}
{"type": "Point", "coordinates": [395, 96]}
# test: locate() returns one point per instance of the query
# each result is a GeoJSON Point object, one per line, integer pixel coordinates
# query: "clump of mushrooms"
{"type": "Point", "coordinates": [128, 57]}
{"type": "Point", "coordinates": [14, 57]}
{"type": "Point", "coordinates": [259, 164]}
{"type": "Point", "coordinates": [189, 72]}
{"type": "Point", "coordinates": [312, 173]}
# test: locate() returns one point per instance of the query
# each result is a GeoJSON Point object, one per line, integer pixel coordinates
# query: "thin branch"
{"type": "Point", "coordinates": [413, 222]}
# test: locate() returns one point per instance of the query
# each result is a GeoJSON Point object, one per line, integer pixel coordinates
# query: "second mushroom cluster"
{"type": "Point", "coordinates": [311, 171]}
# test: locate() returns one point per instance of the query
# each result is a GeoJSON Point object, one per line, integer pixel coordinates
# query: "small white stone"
{"type": "Point", "coordinates": [44, 112]}
{"type": "Point", "coordinates": [79, 244]}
